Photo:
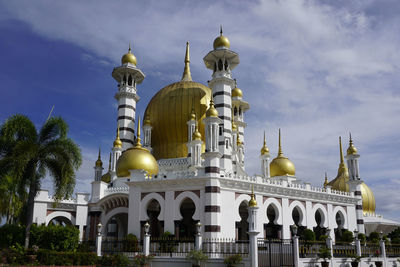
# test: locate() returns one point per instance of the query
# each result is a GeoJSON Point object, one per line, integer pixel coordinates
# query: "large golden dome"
{"type": "Point", "coordinates": [281, 165]}
{"type": "Point", "coordinates": [341, 183]}
{"type": "Point", "coordinates": [170, 110]}
{"type": "Point", "coordinates": [136, 158]}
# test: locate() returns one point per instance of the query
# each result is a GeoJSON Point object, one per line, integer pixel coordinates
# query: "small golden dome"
{"type": "Point", "coordinates": [264, 149]}
{"type": "Point", "coordinates": [136, 158]}
{"type": "Point", "coordinates": [221, 41]}
{"type": "Point", "coordinates": [129, 57]}
{"type": "Point", "coordinates": [252, 202]}
{"type": "Point", "coordinates": [351, 150]}
{"type": "Point", "coordinates": [234, 127]}
{"type": "Point", "coordinates": [117, 142]}
{"type": "Point", "coordinates": [196, 134]}
{"type": "Point", "coordinates": [106, 177]}
{"type": "Point", "coordinates": [211, 111]}
{"type": "Point", "coordinates": [236, 92]}
{"type": "Point", "coordinates": [147, 121]}
{"type": "Point", "coordinates": [281, 165]}
{"type": "Point", "coordinates": [99, 163]}
{"type": "Point", "coordinates": [193, 115]}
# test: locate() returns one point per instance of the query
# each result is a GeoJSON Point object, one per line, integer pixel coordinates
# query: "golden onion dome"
{"type": "Point", "coordinates": [169, 111]}
{"type": "Point", "coordinates": [341, 183]}
{"type": "Point", "coordinates": [264, 149]}
{"type": "Point", "coordinates": [129, 57]}
{"type": "Point", "coordinates": [236, 92]}
{"type": "Point", "coordinates": [252, 202]}
{"type": "Point", "coordinates": [136, 158]}
{"type": "Point", "coordinates": [211, 111]}
{"type": "Point", "coordinates": [196, 134]}
{"type": "Point", "coordinates": [221, 41]}
{"type": "Point", "coordinates": [351, 150]}
{"type": "Point", "coordinates": [117, 142]}
{"type": "Point", "coordinates": [99, 163]}
{"type": "Point", "coordinates": [106, 177]}
{"type": "Point", "coordinates": [281, 165]}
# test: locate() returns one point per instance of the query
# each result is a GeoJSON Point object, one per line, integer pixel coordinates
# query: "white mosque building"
{"type": "Point", "coordinates": [186, 163]}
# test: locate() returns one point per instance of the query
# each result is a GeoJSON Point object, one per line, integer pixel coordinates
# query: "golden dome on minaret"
{"type": "Point", "coordinates": [341, 183]}
{"type": "Point", "coordinates": [281, 165]}
{"type": "Point", "coordinates": [99, 163]}
{"type": "Point", "coordinates": [117, 142]}
{"type": "Point", "coordinates": [129, 57]}
{"type": "Point", "coordinates": [211, 111]}
{"type": "Point", "coordinates": [252, 202]}
{"type": "Point", "coordinates": [136, 158]}
{"type": "Point", "coordinates": [351, 150]}
{"type": "Point", "coordinates": [107, 177]}
{"type": "Point", "coordinates": [196, 134]}
{"type": "Point", "coordinates": [169, 111]}
{"type": "Point", "coordinates": [221, 41]}
{"type": "Point", "coordinates": [236, 92]}
{"type": "Point", "coordinates": [264, 149]}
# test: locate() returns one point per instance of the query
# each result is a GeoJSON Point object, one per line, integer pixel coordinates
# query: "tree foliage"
{"type": "Point", "coordinates": [28, 155]}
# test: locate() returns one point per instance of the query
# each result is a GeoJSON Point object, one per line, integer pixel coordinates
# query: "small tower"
{"type": "Point", "coordinates": [98, 168]}
{"type": "Point", "coordinates": [264, 157]}
{"type": "Point", "coordinates": [194, 148]}
{"type": "Point", "coordinates": [128, 75]}
{"type": "Point", "coordinates": [240, 153]}
{"type": "Point", "coordinates": [191, 125]}
{"type": "Point", "coordinates": [253, 227]}
{"type": "Point", "coordinates": [116, 153]}
{"type": "Point", "coordinates": [212, 154]}
{"type": "Point", "coordinates": [352, 161]}
{"type": "Point", "coordinates": [326, 181]}
{"type": "Point", "coordinates": [222, 61]}
{"type": "Point", "coordinates": [147, 132]}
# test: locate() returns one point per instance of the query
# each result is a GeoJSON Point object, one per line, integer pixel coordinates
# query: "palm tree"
{"type": "Point", "coordinates": [28, 155]}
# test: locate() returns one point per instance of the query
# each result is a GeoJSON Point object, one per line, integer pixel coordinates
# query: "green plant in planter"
{"type": "Point", "coordinates": [196, 257]}
{"type": "Point", "coordinates": [232, 260]}
{"type": "Point", "coordinates": [325, 254]}
{"type": "Point", "coordinates": [354, 259]}
{"type": "Point", "coordinates": [141, 259]}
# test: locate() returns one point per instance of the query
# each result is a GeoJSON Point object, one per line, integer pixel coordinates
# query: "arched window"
{"type": "Point", "coordinates": [124, 80]}
{"type": "Point", "coordinates": [243, 225]}
{"type": "Point", "coordinates": [235, 111]}
{"type": "Point", "coordinates": [153, 210]}
{"type": "Point", "coordinates": [130, 80]}
{"type": "Point", "coordinates": [215, 66]}
{"type": "Point", "coordinates": [220, 65]}
{"type": "Point", "coordinates": [226, 64]}
{"type": "Point", "coordinates": [187, 226]}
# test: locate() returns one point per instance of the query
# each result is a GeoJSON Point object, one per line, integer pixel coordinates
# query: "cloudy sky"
{"type": "Point", "coordinates": [316, 69]}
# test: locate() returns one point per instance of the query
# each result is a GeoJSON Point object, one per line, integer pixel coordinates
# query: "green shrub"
{"type": "Point", "coordinates": [48, 257]}
{"type": "Point", "coordinates": [322, 237]}
{"type": "Point", "coordinates": [15, 255]}
{"type": "Point", "coordinates": [131, 243]}
{"type": "Point", "coordinates": [396, 240]}
{"type": "Point", "coordinates": [324, 253]}
{"type": "Point", "coordinates": [308, 235]}
{"type": "Point", "coordinates": [55, 237]}
{"type": "Point", "coordinates": [114, 260]}
{"type": "Point", "coordinates": [347, 236]}
{"type": "Point", "coordinates": [362, 237]}
{"type": "Point", "coordinates": [11, 234]}
{"type": "Point", "coordinates": [374, 237]}
{"type": "Point", "coordinates": [234, 259]}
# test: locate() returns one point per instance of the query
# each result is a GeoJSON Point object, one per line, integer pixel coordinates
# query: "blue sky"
{"type": "Point", "coordinates": [314, 69]}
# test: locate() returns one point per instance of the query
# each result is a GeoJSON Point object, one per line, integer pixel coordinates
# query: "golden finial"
{"type": "Point", "coordinates": [212, 112]}
{"type": "Point", "coordinates": [326, 180]}
{"type": "Point", "coordinates": [352, 150]}
{"type": "Point", "coordinates": [109, 163]}
{"type": "Point", "coordinates": [186, 72]}
{"type": "Point", "coordinates": [129, 50]}
{"type": "Point", "coordinates": [193, 114]}
{"type": "Point", "coordinates": [99, 163]}
{"type": "Point", "coordinates": [220, 26]}
{"type": "Point", "coordinates": [252, 202]}
{"type": "Point", "coordinates": [280, 153]}
{"type": "Point", "coordinates": [117, 142]}
{"type": "Point", "coordinates": [341, 150]}
{"type": "Point", "coordinates": [138, 140]}
{"type": "Point", "coordinates": [196, 134]}
{"type": "Point", "coordinates": [264, 149]}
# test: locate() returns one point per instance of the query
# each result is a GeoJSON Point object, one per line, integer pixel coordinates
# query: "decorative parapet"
{"type": "Point", "coordinates": [116, 190]}
{"type": "Point", "coordinates": [173, 164]}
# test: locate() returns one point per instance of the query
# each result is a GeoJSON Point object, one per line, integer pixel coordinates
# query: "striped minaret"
{"type": "Point", "coordinates": [355, 183]}
{"type": "Point", "coordinates": [128, 76]}
{"type": "Point", "coordinates": [222, 60]}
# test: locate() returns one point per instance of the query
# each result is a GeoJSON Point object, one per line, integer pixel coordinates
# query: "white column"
{"type": "Point", "coordinates": [296, 252]}
{"type": "Point", "coordinates": [134, 210]}
{"type": "Point", "coordinates": [99, 239]}
{"type": "Point", "coordinates": [286, 219]}
{"type": "Point", "coordinates": [253, 235]}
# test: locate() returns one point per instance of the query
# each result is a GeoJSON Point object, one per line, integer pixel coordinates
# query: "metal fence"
{"type": "Point", "coordinates": [392, 250]}
{"type": "Point", "coordinates": [343, 250]}
{"type": "Point", "coordinates": [310, 249]}
{"type": "Point", "coordinates": [222, 247]}
{"type": "Point", "coordinates": [275, 252]}
{"type": "Point", "coordinates": [128, 248]}
{"type": "Point", "coordinates": [171, 247]}
{"type": "Point", "coordinates": [370, 250]}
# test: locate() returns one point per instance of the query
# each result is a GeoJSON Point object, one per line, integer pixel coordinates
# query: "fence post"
{"type": "Point", "coordinates": [357, 243]}
{"type": "Point", "coordinates": [296, 252]}
{"type": "Point", "coordinates": [146, 239]}
{"type": "Point", "coordinates": [382, 248]}
{"type": "Point", "coordinates": [199, 238]}
{"type": "Point", "coordinates": [329, 242]}
{"type": "Point", "coordinates": [98, 240]}
{"type": "Point", "coordinates": [252, 208]}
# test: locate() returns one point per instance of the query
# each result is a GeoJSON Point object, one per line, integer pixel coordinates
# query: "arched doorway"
{"type": "Point", "coordinates": [60, 220]}
{"type": "Point", "coordinates": [297, 217]}
{"type": "Point", "coordinates": [186, 227]}
{"type": "Point", "coordinates": [243, 225]}
{"type": "Point", "coordinates": [340, 225]}
{"type": "Point", "coordinates": [320, 220]}
{"type": "Point", "coordinates": [271, 229]}
{"type": "Point", "coordinates": [117, 227]}
{"type": "Point", "coordinates": [156, 226]}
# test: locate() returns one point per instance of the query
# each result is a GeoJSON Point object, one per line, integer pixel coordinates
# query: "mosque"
{"type": "Point", "coordinates": [186, 164]}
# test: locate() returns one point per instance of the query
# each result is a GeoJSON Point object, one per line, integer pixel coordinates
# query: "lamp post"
{"type": "Point", "coordinates": [199, 238]}
{"type": "Point", "coordinates": [99, 239]}
{"type": "Point", "coordinates": [296, 248]}
{"type": "Point", "coordinates": [294, 229]}
{"type": "Point", "coordinates": [357, 243]}
{"type": "Point", "coordinates": [146, 241]}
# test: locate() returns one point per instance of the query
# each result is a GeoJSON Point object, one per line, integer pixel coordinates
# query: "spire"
{"type": "Point", "coordinates": [252, 202]}
{"type": "Point", "coordinates": [220, 29]}
{"type": "Point", "coordinates": [129, 50]}
{"type": "Point", "coordinates": [196, 134]}
{"type": "Point", "coordinates": [280, 153]}
{"type": "Point", "coordinates": [264, 149]}
{"type": "Point", "coordinates": [341, 150]}
{"type": "Point", "coordinates": [326, 181]}
{"type": "Point", "coordinates": [99, 163]}
{"type": "Point", "coordinates": [117, 142]}
{"type": "Point", "coordinates": [109, 163]}
{"type": "Point", "coordinates": [138, 140]}
{"type": "Point", "coordinates": [212, 112]}
{"type": "Point", "coordinates": [186, 72]}
{"type": "Point", "coordinates": [351, 150]}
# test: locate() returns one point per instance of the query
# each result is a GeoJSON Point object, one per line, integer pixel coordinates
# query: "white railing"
{"type": "Point", "coordinates": [114, 190]}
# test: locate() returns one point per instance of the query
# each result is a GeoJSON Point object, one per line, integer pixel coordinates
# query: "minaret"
{"type": "Point", "coordinates": [212, 154]}
{"type": "Point", "coordinates": [264, 157]}
{"type": "Point", "coordinates": [194, 148]}
{"type": "Point", "coordinates": [191, 125]}
{"type": "Point", "coordinates": [253, 226]}
{"type": "Point", "coordinates": [116, 153]}
{"type": "Point", "coordinates": [98, 168]}
{"type": "Point", "coordinates": [186, 72]}
{"type": "Point", "coordinates": [355, 182]}
{"type": "Point", "coordinates": [128, 76]}
{"type": "Point", "coordinates": [222, 61]}
{"type": "Point", "coordinates": [147, 132]}
{"type": "Point", "coordinates": [326, 181]}
{"type": "Point", "coordinates": [239, 107]}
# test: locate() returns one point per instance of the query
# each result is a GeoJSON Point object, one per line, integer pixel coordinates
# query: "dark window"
{"type": "Point", "coordinates": [220, 65]}
{"type": "Point", "coordinates": [226, 64]}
